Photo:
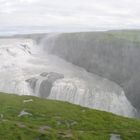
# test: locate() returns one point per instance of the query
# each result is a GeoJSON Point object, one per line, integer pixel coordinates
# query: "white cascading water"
{"type": "Point", "coordinates": [12, 57]}
{"type": "Point", "coordinates": [22, 59]}
{"type": "Point", "coordinates": [78, 92]}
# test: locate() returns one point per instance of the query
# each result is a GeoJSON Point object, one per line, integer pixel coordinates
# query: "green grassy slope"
{"type": "Point", "coordinates": [54, 120]}
{"type": "Point", "coordinates": [130, 35]}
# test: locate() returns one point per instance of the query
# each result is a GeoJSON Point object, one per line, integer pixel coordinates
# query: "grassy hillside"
{"type": "Point", "coordinates": [54, 120]}
{"type": "Point", "coordinates": [129, 35]}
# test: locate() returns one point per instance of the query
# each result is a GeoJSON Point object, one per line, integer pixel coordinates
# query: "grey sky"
{"type": "Point", "coordinates": [68, 14]}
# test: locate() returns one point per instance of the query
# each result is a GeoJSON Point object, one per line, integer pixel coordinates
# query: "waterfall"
{"type": "Point", "coordinates": [13, 54]}
{"type": "Point", "coordinates": [76, 91]}
{"type": "Point", "coordinates": [97, 92]}
{"type": "Point", "coordinates": [64, 68]}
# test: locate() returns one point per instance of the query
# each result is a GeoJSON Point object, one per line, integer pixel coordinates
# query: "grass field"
{"type": "Point", "coordinates": [54, 120]}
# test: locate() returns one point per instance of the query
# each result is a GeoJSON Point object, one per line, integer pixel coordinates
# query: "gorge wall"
{"type": "Point", "coordinates": [114, 55]}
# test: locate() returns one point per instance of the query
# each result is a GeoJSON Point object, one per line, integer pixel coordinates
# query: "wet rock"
{"type": "Point", "coordinates": [32, 82]}
{"type": "Point", "coordinates": [45, 88]}
{"type": "Point", "coordinates": [46, 84]}
{"type": "Point", "coordinates": [42, 86]}
{"type": "Point", "coordinates": [54, 76]}
{"type": "Point", "coordinates": [44, 74]}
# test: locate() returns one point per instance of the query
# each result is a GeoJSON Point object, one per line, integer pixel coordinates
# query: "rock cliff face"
{"type": "Point", "coordinates": [114, 55]}
{"type": "Point", "coordinates": [42, 86]}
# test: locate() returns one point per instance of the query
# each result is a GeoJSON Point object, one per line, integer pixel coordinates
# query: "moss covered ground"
{"type": "Point", "coordinates": [55, 120]}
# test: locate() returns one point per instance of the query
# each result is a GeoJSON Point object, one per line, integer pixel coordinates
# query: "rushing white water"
{"type": "Point", "coordinates": [13, 57]}
{"type": "Point", "coordinates": [22, 62]}
{"type": "Point", "coordinates": [108, 99]}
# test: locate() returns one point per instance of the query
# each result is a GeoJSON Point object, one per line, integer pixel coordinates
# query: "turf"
{"type": "Point", "coordinates": [55, 120]}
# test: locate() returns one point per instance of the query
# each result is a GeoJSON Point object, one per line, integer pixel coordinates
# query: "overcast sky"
{"type": "Point", "coordinates": [71, 14]}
